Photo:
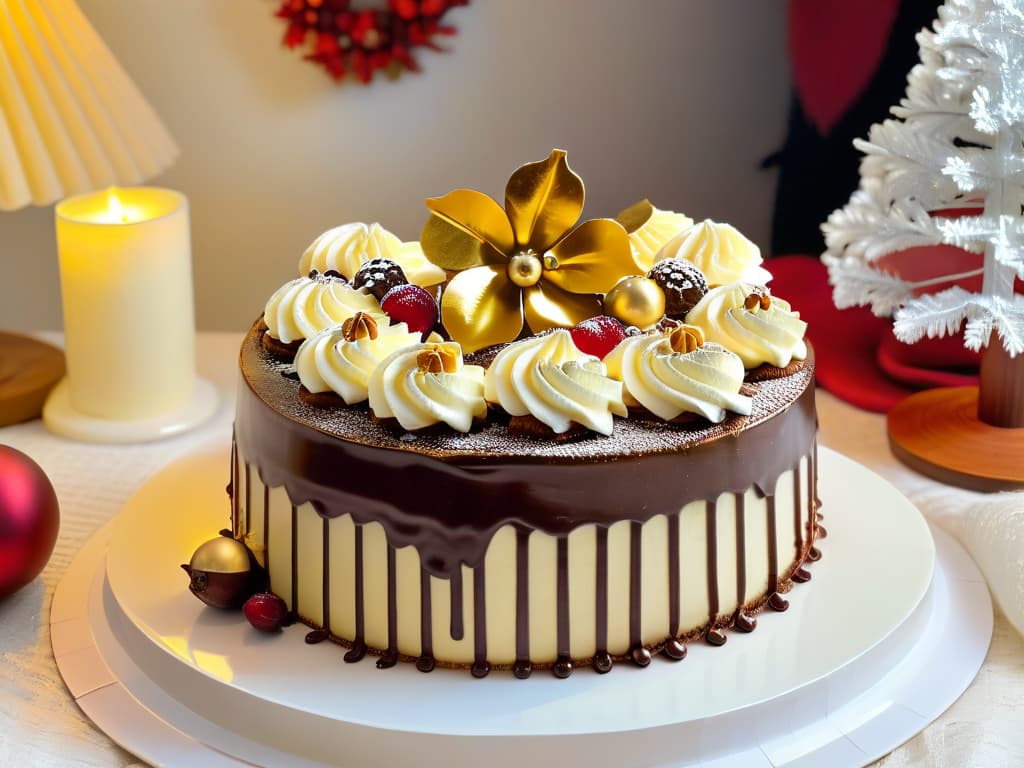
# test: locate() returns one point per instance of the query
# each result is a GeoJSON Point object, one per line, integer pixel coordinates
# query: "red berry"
{"type": "Point", "coordinates": [412, 305]}
{"type": "Point", "coordinates": [265, 611]}
{"type": "Point", "coordinates": [598, 336]}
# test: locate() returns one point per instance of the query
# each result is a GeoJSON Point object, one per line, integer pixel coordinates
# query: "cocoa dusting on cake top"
{"type": "Point", "coordinates": [266, 375]}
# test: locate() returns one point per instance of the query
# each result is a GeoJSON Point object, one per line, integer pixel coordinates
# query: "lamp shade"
{"type": "Point", "coordinates": [71, 120]}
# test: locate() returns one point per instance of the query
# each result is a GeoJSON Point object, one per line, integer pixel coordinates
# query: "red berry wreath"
{"type": "Point", "coordinates": [362, 41]}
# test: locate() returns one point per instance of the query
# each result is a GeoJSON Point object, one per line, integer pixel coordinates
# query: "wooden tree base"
{"type": "Point", "coordinates": [938, 433]}
{"type": "Point", "coordinates": [28, 371]}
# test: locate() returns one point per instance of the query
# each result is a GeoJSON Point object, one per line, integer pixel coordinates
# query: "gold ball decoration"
{"type": "Point", "coordinates": [525, 269]}
{"type": "Point", "coordinates": [635, 301]}
{"type": "Point", "coordinates": [221, 573]}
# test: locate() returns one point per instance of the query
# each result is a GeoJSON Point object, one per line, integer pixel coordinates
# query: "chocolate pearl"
{"type": "Point", "coordinates": [378, 276]}
{"type": "Point", "coordinates": [682, 283]}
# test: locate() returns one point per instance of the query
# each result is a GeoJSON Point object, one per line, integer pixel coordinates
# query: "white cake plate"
{"type": "Point", "coordinates": [889, 632]}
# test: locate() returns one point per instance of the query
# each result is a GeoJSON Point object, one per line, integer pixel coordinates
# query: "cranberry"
{"type": "Point", "coordinates": [412, 305]}
{"type": "Point", "coordinates": [265, 611]}
{"type": "Point", "coordinates": [598, 336]}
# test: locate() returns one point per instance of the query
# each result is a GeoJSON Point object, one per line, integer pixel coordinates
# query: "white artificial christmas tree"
{"type": "Point", "coordinates": [957, 142]}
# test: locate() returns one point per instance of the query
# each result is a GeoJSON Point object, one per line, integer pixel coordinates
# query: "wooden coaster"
{"type": "Point", "coordinates": [937, 432]}
{"type": "Point", "coordinates": [28, 371]}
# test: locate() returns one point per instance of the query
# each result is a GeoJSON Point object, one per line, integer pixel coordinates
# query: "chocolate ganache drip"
{"type": "Point", "coordinates": [456, 492]}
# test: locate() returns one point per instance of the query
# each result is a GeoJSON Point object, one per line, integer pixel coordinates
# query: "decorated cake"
{"type": "Point", "coordinates": [523, 443]}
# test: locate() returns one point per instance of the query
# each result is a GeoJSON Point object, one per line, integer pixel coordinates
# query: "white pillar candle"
{"type": "Point", "coordinates": [129, 323]}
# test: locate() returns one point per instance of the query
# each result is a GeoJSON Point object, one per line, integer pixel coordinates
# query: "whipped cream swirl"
{"type": "Point", "coordinates": [345, 248]}
{"type": "Point", "coordinates": [302, 307]}
{"type": "Point", "coordinates": [549, 378]}
{"type": "Point", "coordinates": [426, 384]}
{"type": "Point", "coordinates": [748, 321]}
{"type": "Point", "coordinates": [330, 361]}
{"type": "Point", "coordinates": [667, 382]}
{"type": "Point", "coordinates": [720, 251]}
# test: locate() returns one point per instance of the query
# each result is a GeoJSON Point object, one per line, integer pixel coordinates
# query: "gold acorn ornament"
{"type": "Point", "coordinates": [635, 300]}
{"type": "Point", "coordinates": [222, 573]}
{"type": "Point", "coordinates": [526, 264]}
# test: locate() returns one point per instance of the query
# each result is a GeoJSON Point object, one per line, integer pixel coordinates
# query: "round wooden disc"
{"type": "Point", "coordinates": [937, 433]}
{"type": "Point", "coordinates": [28, 371]}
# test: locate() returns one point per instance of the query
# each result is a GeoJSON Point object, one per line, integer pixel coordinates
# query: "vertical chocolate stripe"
{"type": "Point", "coordinates": [327, 574]}
{"type": "Point", "coordinates": [741, 549]}
{"type": "Point", "coordinates": [773, 549]}
{"type": "Point", "coordinates": [456, 629]}
{"type": "Point", "coordinates": [266, 528]}
{"type": "Point", "coordinates": [798, 503]}
{"type": "Point", "coordinates": [601, 606]}
{"type": "Point", "coordinates": [673, 575]}
{"type": "Point", "coordinates": [812, 492]}
{"type": "Point", "coordinates": [392, 601]}
{"type": "Point", "coordinates": [248, 499]}
{"type": "Point", "coordinates": [426, 622]}
{"type": "Point", "coordinates": [236, 523]}
{"type": "Point", "coordinates": [562, 605]}
{"type": "Point", "coordinates": [635, 593]}
{"type": "Point", "coordinates": [295, 560]}
{"type": "Point", "coordinates": [814, 474]}
{"type": "Point", "coordinates": [711, 524]}
{"type": "Point", "coordinates": [479, 614]}
{"type": "Point", "coordinates": [360, 616]}
{"type": "Point", "coordinates": [522, 594]}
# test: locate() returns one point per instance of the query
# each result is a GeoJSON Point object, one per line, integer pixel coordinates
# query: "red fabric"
{"type": "Point", "coordinates": [857, 357]}
{"type": "Point", "coordinates": [835, 47]}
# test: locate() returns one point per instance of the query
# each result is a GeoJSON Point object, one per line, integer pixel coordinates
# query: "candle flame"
{"type": "Point", "coordinates": [115, 208]}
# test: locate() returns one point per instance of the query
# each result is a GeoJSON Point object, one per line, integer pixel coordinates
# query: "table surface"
{"type": "Point", "coordinates": [40, 725]}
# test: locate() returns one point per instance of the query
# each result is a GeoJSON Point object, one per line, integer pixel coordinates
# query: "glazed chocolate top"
{"type": "Point", "coordinates": [447, 493]}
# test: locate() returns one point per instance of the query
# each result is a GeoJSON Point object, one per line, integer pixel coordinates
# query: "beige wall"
{"type": "Point", "coordinates": [675, 100]}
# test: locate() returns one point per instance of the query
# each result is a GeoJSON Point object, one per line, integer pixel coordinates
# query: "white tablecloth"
{"type": "Point", "coordinates": [41, 726]}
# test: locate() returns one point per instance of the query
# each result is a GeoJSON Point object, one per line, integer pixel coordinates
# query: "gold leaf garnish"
{"type": "Point", "coordinates": [525, 256]}
{"type": "Point", "coordinates": [543, 201]}
{"type": "Point", "coordinates": [686, 338]}
{"type": "Point", "coordinates": [636, 215]}
{"type": "Point", "coordinates": [437, 359]}
{"type": "Point", "coordinates": [359, 326]}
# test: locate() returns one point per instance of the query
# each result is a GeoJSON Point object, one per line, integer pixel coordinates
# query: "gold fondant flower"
{"type": "Point", "coordinates": [525, 263]}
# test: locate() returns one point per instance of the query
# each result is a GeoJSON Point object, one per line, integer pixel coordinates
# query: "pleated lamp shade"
{"type": "Point", "coordinates": [71, 120]}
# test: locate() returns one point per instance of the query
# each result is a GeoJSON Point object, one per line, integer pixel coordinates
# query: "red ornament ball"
{"type": "Point", "coordinates": [598, 336]}
{"type": "Point", "coordinates": [412, 305]}
{"type": "Point", "coordinates": [29, 520]}
{"type": "Point", "coordinates": [265, 611]}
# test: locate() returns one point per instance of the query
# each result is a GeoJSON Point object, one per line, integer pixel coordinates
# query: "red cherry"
{"type": "Point", "coordinates": [598, 336]}
{"type": "Point", "coordinates": [412, 305]}
{"type": "Point", "coordinates": [265, 611]}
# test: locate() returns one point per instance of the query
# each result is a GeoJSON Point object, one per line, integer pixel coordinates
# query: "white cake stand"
{"type": "Point", "coordinates": [888, 633]}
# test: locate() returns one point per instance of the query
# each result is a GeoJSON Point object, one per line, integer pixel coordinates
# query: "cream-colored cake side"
{"type": "Point", "coordinates": [628, 586]}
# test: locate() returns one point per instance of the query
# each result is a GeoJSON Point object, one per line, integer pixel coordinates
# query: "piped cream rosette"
{"type": "Point", "coordinates": [675, 372]}
{"type": "Point", "coordinates": [426, 384]}
{"type": "Point", "coordinates": [342, 358]}
{"type": "Point", "coordinates": [345, 248]}
{"type": "Point", "coordinates": [718, 250]}
{"type": "Point", "coordinates": [758, 327]}
{"type": "Point", "coordinates": [301, 308]}
{"type": "Point", "coordinates": [549, 378]}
